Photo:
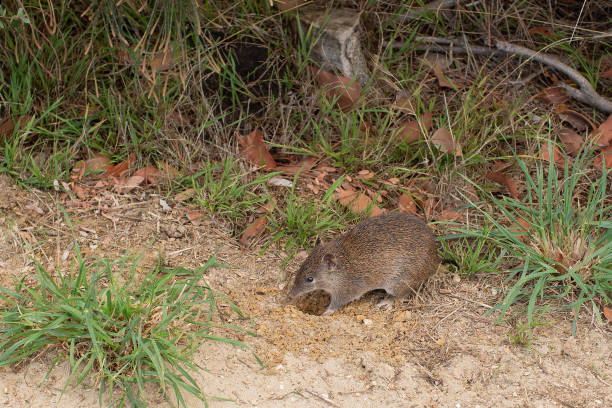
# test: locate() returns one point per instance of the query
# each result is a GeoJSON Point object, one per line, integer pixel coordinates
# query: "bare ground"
{"type": "Point", "coordinates": [437, 350]}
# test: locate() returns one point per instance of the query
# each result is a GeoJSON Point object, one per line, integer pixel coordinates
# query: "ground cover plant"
{"type": "Point", "coordinates": [219, 105]}
{"type": "Point", "coordinates": [129, 337]}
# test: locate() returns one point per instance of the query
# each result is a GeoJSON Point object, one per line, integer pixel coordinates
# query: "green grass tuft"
{"type": "Point", "coordinates": [130, 337]}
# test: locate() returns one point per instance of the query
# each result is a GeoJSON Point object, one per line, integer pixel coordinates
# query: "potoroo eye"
{"type": "Point", "coordinates": [309, 279]}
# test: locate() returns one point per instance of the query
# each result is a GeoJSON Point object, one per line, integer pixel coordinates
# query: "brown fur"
{"type": "Point", "coordinates": [396, 252]}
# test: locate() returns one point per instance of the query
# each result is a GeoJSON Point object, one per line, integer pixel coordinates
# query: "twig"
{"type": "Point", "coordinates": [322, 398]}
{"type": "Point", "coordinates": [584, 93]}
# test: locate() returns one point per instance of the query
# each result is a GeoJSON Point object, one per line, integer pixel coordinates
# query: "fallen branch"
{"type": "Point", "coordinates": [584, 93]}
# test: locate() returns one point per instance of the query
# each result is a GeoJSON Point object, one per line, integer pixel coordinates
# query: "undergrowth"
{"type": "Point", "coordinates": [129, 336]}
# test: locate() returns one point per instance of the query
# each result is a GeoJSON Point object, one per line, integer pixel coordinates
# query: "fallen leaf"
{"type": "Point", "coordinates": [393, 180]}
{"type": "Point", "coordinates": [118, 170]}
{"type": "Point", "coordinates": [194, 216]}
{"type": "Point", "coordinates": [150, 174]}
{"type": "Point", "coordinates": [545, 31]}
{"type": "Point", "coordinates": [184, 195]}
{"type": "Point", "coordinates": [501, 165]}
{"type": "Point", "coordinates": [302, 167]}
{"type": "Point", "coordinates": [505, 181]}
{"type": "Point", "coordinates": [443, 139]}
{"type": "Point", "coordinates": [607, 313]}
{"type": "Point", "coordinates": [8, 126]}
{"type": "Point", "coordinates": [603, 134]}
{"type": "Point", "coordinates": [428, 207]}
{"type": "Point", "coordinates": [545, 150]}
{"type": "Point", "coordinates": [253, 230]}
{"type": "Point", "coordinates": [98, 163]}
{"type": "Point", "coordinates": [520, 228]}
{"type": "Point", "coordinates": [365, 174]}
{"type": "Point", "coordinates": [356, 202]}
{"type": "Point", "coordinates": [163, 60]}
{"type": "Point", "coordinates": [406, 204]}
{"type": "Point", "coordinates": [411, 131]}
{"type": "Point", "coordinates": [604, 156]}
{"type": "Point", "coordinates": [443, 81]}
{"type": "Point", "coordinates": [344, 89]}
{"type": "Point", "coordinates": [404, 103]}
{"type": "Point", "coordinates": [125, 185]}
{"type": "Point", "coordinates": [572, 140]}
{"type": "Point", "coordinates": [451, 215]}
{"type": "Point", "coordinates": [255, 151]}
{"type": "Point", "coordinates": [35, 208]}
{"type": "Point", "coordinates": [553, 94]}
{"type": "Point", "coordinates": [576, 119]}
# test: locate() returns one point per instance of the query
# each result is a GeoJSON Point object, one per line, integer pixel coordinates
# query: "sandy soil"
{"type": "Point", "coordinates": [436, 350]}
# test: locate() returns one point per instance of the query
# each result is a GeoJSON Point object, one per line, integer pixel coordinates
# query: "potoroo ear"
{"type": "Point", "coordinates": [330, 261]}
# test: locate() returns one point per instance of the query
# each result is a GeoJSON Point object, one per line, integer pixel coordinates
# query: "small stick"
{"type": "Point", "coordinates": [322, 398]}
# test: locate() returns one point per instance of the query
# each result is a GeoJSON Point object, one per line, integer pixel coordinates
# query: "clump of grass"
{"type": "Point", "coordinates": [126, 336]}
{"type": "Point", "coordinates": [556, 239]}
{"type": "Point", "coordinates": [299, 223]}
{"type": "Point", "coordinates": [471, 255]}
{"type": "Point", "coordinates": [223, 190]}
{"type": "Point", "coordinates": [523, 333]}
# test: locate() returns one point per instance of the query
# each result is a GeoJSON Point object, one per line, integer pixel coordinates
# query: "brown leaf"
{"type": "Point", "coordinates": [576, 119]}
{"type": "Point", "coordinates": [443, 139]}
{"type": "Point", "coordinates": [603, 134]}
{"type": "Point", "coordinates": [120, 169]}
{"type": "Point", "coordinates": [128, 184]}
{"type": "Point", "coordinates": [411, 131]}
{"type": "Point", "coordinates": [337, 86]}
{"type": "Point", "coordinates": [501, 165]}
{"type": "Point", "coordinates": [553, 94]}
{"type": "Point", "coordinates": [428, 207]}
{"type": "Point", "coordinates": [505, 181]}
{"type": "Point", "coordinates": [365, 174]}
{"type": "Point", "coordinates": [605, 155]}
{"type": "Point", "coordinates": [451, 215]}
{"type": "Point", "coordinates": [545, 31]}
{"type": "Point", "coordinates": [255, 151]}
{"type": "Point", "coordinates": [443, 81]}
{"type": "Point", "coordinates": [520, 228]}
{"type": "Point", "coordinates": [545, 150]}
{"type": "Point", "coordinates": [406, 204]}
{"type": "Point", "coordinates": [184, 195]}
{"type": "Point", "coordinates": [607, 312]}
{"type": "Point", "coordinates": [253, 230]}
{"type": "Point", "coordinates": [163, 60]}
{"type": "Point", "coordinates": [8, 126]}
{"type": "Point", "coordinates": [98, 163]}
{"type": "Point", "coordinates": [195, 216]}
{"type": "Point", "coordinates": [572, 140]}
{"type": "Point", "coordinates": [150, 174]}
{"type": "Point", "coordinates": [356, 201]}
{"type": "Point", "coordinates": [302, 167]}
{"type": "Point", "coordinates": [404, 103]}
